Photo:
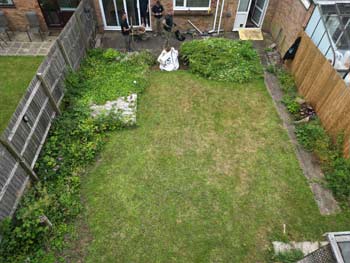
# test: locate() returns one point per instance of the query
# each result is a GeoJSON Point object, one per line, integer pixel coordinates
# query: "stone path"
{"type": "Point", "coordinates": [21, 46]}
{"type": "Point", "coordinates": [25, 48]}
{"type": "Point", "coordinates": [308, 162]}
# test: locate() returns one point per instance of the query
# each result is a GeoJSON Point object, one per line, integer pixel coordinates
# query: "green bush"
{"type": "Point", "coordinates": [291, 256]}
{"type": "Point", "coordinates": [222, 59]}
{"type": "Point", "coordinates": [73, 142]}
{"type": "Point", "coordinates": [107, 80]}
{"type": "Point", "coordinates": [290, 102]}
{"type": "Point", "coordinates": [338, 178]}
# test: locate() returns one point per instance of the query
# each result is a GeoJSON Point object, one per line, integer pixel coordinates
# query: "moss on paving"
{"type": "Point", "coordinates": [15, 75]}
{"type": "Point", "coordinates": [209, 175]}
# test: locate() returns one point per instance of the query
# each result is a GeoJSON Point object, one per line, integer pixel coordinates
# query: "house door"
{"type": "Point", "coordinates": [242, 14]}
{"type": "Point", "coordinates": [58, 12]}
{"type": "Point", "coordinates": [136, 11]}
{"type": "Point", "coordinates": [259, 11]}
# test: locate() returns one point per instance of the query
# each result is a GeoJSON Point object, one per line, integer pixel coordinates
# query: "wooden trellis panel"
{"type": "Point", "coordinates": [21, 142]}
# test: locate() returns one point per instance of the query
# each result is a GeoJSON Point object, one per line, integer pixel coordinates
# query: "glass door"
{"type": "Point", "coordinates": [259, 12]}
{"type": "Point", "coordinates": [242, 14]}
{"type": "Point", "coordinates": [137, 12]}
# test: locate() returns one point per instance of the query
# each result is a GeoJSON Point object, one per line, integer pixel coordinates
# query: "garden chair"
{"type": "Point", "coordinates": [33, 25]}
{"type": "Point", "coordinates": [4, 25]}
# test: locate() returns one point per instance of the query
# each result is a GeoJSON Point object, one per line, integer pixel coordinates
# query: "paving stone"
{"type": "Point", "coordinates": [306, 247]}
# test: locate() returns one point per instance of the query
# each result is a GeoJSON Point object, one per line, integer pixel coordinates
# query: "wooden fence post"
{"type": "Point", "coordinates": [47, 90]}
{"type": "Point", "coordinates": [19, 158]}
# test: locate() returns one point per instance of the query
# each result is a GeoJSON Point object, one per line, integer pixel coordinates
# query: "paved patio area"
{"type": "Point", "coordinates": [21, 46]}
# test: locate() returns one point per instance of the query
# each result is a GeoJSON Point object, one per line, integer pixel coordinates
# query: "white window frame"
{"type": "Point", "coordinates": [9, 3]}
{"type": "Point", "coordinates": [185, 8]}
{"type": "Point", "coordinates": [306, 3]}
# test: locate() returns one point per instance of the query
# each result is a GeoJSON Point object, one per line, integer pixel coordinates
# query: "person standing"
{"type": "Point", "coordinates": [144, 13]}
{"type": "Point", "coordinates": [157, 11]}
{"type": "Point", "coordinates": [126, 33]}
{"type": "Point", "coordinates": [168, 24]}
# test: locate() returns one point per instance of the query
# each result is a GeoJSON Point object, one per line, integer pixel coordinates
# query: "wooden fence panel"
{"type": "Point", "coordinates": [21, 142]}
{"type": "Point", "coordinates": [324, 88]}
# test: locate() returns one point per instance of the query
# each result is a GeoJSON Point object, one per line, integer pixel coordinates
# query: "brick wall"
{"type": "Point", "coordinates": [202, 19]}
{"type": "Point", "coordinates": [16, 14]}
{"type": "Point", "coordinates": [289, 19]}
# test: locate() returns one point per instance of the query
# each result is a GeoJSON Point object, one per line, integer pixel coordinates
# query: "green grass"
{"type": "Point", "coordinates": [15, 75]}
{"type": "Point", "coordinates": [209, 175]}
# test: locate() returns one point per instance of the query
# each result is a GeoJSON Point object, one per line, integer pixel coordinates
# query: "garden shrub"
{"type": "Point", "coordinates": [338, 178]}
{"type": "Point", "coordinates": [108, 80]}
{"type": "Point", "coordinates": [222, 59]}
{"type": "Point", "coordinates": [73, 142]}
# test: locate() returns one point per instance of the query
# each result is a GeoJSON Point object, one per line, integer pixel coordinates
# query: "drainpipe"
{"type": "Point", "coordinates": [216, 15]}
{"type": "Point", "coordinates": [222, 10]}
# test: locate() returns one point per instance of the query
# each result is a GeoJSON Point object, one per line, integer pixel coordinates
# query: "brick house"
{"type": "Point", "coordinates": [51, 13]}
{"type": "Point", "coordinates": [283, 18]}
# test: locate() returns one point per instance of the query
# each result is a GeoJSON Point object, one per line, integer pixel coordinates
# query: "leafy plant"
{"type": "Point", "coordinates": [271, 68]}
{"type": "Point", "coordinates": [292, 106]}
{"type": "Point", "coordinates": [222, 59]}
{"type": "Point", "coordinates": [291, 256]}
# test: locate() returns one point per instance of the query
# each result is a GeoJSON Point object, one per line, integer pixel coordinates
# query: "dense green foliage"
{"type": "Point", "coordinates": [222, 59]}
{"type": "Point", "coordinates": [289, 257]}
{"type": "Point", "coordinates": [313, 137]}
{"type": "Point", "coordinates": [15, 75]}
{"type": "Point", "coordinates": [73, 143]}
{"type": "Point", "coordinates": [107, 80]}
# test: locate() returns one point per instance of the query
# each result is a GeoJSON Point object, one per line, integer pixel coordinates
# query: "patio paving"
{"type": "Point", "coordinates": [21, 46]}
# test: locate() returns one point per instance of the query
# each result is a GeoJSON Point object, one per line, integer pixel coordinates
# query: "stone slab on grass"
{"type": "Point", "coordinates": [306, 247]}
{"type": "Point", "coordinates": [124, 107]}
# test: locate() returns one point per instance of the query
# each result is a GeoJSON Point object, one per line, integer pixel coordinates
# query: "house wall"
{"type": "Point", "coordinates": [16, 14]}
{"type": "Point", "coordinates": [287, 20]}
{"type": "Point", "coordinates": [202, 19]}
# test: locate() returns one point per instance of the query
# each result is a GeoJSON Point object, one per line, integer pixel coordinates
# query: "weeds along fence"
{"type": "Point", "coordinates": [324, 88]}
{"type": "Point", "coordinates": [21, 142]}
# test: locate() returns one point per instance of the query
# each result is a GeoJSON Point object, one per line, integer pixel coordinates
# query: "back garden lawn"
{"type": "Point", "coordinates": [209, 175]}
{"type": "Point", "coordinates": [15, 75]}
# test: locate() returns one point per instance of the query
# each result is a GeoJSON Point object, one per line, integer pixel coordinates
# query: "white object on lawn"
{"type": "Point", "coordinates": [169, 60]}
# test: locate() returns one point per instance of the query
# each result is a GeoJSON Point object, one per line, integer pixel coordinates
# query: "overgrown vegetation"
{"type": "Point", "coordinates": [222, 59]}
{"type": "Point", "coordinates": [313, 137]}
{"type": "Point", "coordinates": [73, 143]}
{"type": "Point", "coordinates": [291, 256]}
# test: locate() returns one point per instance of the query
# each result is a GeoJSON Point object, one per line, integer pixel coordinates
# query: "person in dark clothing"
{"type": "Point", "coordinates": [168, 24]}
{"type": "Point", "coordinates": [144, 12]}
{"type": "Point", "coordinates": [157, 11]}
{"type": "Point", "coordinates": [126, 33]}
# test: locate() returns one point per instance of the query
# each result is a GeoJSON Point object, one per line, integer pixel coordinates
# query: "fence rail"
{"type": "Point", "coordinates": [324, 88]}
{"type": "Point", "coordinates": [21, 142]}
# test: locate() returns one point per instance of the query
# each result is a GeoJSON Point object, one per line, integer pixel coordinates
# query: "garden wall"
{"type": "Point", "coordinates": [324, 88]}
{"type": "Point", "coordinates": [21, 142]}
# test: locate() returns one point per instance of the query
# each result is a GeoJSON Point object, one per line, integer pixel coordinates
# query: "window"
{"type": "Point", "coordinates": [306, 3]}
{"type": "Point", "coordinates": [191, 4]}
{"type": "Point", "coordinates": [6, 2]}
{"type": "Point", "coordinates": [66, 5]}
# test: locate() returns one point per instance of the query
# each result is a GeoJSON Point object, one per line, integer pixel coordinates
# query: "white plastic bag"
{"type": "Point", "coordinates": [169, 60]}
